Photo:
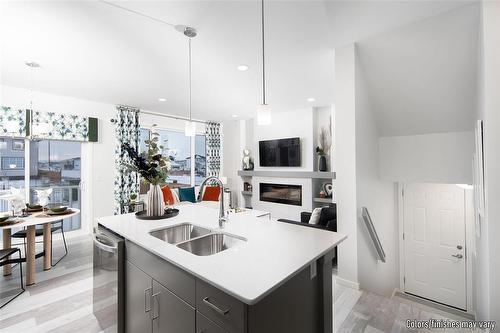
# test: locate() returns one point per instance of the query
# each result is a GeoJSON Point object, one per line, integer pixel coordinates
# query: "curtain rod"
{"type": "Point", "coordinates": [173, 117]}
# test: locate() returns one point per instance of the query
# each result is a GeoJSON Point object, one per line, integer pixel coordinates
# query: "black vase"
{"type": "Point", "coordinates": [322, 163]}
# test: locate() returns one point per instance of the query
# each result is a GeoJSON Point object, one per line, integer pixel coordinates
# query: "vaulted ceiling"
{"type": "Point", "coordinates": [91, 50]}
{"type": "Point", "coordinates": [422, 77]}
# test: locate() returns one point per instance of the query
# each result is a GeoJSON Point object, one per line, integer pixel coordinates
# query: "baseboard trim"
{"type": "Point", "coordinates": [347, 283]}
{"type": "Point", "coordinates": [434, 305]}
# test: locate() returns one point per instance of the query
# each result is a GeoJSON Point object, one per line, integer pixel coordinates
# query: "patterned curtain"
{"type": "Point", "coordinates": [47, 125]}
{"type": "Point", "coordinates": [61, 126]}
{"type": "Point", "coordinates": [13, 122]}
{"type": "Point", "coordinates": [126, 182]}
{"type": "Point", "coordinates": [213, 133]}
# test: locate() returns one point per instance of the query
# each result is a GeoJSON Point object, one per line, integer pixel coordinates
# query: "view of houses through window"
{"type": "Point", "coordinates": [178, 147]}
{"type": "Point", "coordinates": [52, 164]}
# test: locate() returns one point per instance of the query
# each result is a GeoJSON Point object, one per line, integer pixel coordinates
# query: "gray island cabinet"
{"type": "Point", "coordinates": [162, 297]}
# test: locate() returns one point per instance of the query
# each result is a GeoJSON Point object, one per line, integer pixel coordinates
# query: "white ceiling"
{"type": "Point", "coordinates": [94, 51]}
{"type": "Point", "coordinates": [422, 78]}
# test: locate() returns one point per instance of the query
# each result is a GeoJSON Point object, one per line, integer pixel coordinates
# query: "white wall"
{"type": "Point", "coordinates": [101, 153]}
{"type": "Point", "coordinates": [295, 123]}
{"type": "Point", "coordinates": [247, 134]}
{"type": "Point", "coordinates": [345, 157]}
{"type": "Point", "coordinates": [491, 117]}
{"type": "Point", "coordinates": [439, 158]}
{"type": "Point", "coordinates": [146, 120]}
{"type": "Point", "coordinates": [377, 196]}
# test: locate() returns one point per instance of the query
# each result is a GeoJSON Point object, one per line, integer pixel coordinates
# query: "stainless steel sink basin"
{"type": "Point", "coordinates": [179, 233]}
{"type": "Point", "coordinates": [211, 244]}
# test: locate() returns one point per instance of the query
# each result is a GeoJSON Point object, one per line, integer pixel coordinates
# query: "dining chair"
{"type": "Point", "coordinates": [57, 225]}
{"type": "Point", "coordinates": [4, 255]}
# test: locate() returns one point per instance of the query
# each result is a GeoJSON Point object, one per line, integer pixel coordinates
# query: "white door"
{"type": "Point", "coordinates": [434, 243]}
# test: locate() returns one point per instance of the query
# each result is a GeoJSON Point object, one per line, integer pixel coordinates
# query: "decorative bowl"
{"type": "Point", "coordinates": [4, 218]}
{"type": "Point", "coordinates": [58, 208]}
{"type": "Point", "coordinates": [33, 207]}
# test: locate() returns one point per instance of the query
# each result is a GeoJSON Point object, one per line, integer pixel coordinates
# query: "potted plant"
{"type": "Point", "coordinates": [323, 148]}
{"type": "Point", "coordinates": [133, 196]}
{"type": "Point", "coordinates": [153, 168]}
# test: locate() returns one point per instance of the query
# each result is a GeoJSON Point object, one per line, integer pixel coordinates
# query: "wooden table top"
{"type": "Point", "coordinates": [35, 219]}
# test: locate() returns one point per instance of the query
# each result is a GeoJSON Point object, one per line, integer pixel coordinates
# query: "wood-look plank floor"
{"type": "Point", "coordinates": [62, 298]}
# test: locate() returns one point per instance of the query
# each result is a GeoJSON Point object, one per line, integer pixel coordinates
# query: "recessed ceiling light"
{"type": "Point", "coordinates": [311, 99]}
{"type": "Point", "coordinates": [162, 99]}
{"type": "Point", "coordinates": [242, 68]}
{"type": "Point", "coordinates": [235, 116]}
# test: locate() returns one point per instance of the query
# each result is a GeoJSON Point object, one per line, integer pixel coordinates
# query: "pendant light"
{"type": "Point", "coordinates": [263, 111]}
{"type": "Point", "coordinates": [36, 128]}
{"type": "Point", "coordinates": [190, 126]}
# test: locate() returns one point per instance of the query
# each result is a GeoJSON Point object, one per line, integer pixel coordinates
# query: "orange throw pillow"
{"type": "Point", "coordinates": [168, 197]}
{"type": "Point", "coordinates": [211, 193]}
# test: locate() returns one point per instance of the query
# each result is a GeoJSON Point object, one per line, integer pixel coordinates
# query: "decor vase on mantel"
{"type": "Point", "coordinates": [153, 167]}
{"type": "Point", "coordinates": [322, 163]}
{"type": "Point", "coordinates": [155, 205]}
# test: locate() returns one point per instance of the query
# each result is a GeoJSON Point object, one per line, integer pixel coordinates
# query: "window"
{"type": "Point", "coordinates": [143, 136]}
{"type": "Point", "coordinates": [17, 144]}
{"type": "Point", "coordinates": [57, 164]}
{"type": "Point", "coordinates": [200, 167]}
{"type": "Point", "coordinates": [12, 163]}
{"type": "Point", "coordinates": [178, 147]}
{"type": "Point", "coordinates": [11, 169]}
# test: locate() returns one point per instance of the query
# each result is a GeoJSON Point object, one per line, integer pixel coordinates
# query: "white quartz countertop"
{"type": "Point", "coordinates": [273, 252]}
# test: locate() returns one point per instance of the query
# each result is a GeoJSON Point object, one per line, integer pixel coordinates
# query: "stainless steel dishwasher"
{"type": "Point", "coordinates": [108, 257]}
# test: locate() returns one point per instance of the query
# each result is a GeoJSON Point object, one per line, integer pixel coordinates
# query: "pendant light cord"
{"type": "Point", "coordinates": [190, 80]}
{"type": "Point", "coordinates": [263, 57]}
{"type": "Point", "coordinates": [31, 90]}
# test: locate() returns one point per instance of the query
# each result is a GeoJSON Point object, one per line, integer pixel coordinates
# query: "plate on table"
{"type": "Point", "coordinates": [8, 221]}
{"type": "Point", "coordinates": [64, 212]}
{"type": "Point", "coordinates": [33, 208]}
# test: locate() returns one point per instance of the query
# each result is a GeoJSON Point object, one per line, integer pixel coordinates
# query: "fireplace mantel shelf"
{"type": "Point", "coordinates": [287, 174]}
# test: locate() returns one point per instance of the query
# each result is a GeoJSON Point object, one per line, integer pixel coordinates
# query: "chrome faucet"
{"type": "Point", "coordinates": [223, 217]}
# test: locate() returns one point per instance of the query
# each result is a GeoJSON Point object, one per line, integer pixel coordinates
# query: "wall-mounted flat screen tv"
{"type": "Point", "coordinates": [280, 153]}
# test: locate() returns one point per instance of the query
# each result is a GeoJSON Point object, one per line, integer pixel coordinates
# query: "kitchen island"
{"type": "Point", "coordinates": [256, 275]}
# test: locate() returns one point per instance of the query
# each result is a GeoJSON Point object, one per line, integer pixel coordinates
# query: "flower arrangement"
{"type": "Point", "coordinates": [151, 164]}
{"type": "Point", "coordinates": [324, 141]}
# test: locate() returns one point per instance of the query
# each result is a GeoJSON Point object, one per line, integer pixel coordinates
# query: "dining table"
{"type": "Point", "coordinates": [30, 222]}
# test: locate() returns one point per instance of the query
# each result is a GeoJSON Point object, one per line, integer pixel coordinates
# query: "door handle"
{"type": "Point", "coordinates": [154, 297]}
{"type": "Point", "coordinates": [459, 256]}
{"type": "Point", "coordinates": [206, 300]}
{"type": "Point", "coordinates": [146, 310]}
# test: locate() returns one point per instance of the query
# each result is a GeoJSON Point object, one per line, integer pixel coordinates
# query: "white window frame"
{"type": "Point", "coordinates": [192, 145]}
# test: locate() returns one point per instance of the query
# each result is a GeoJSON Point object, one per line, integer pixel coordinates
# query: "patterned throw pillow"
{"type": "Point", "coordinates": [187, 194]}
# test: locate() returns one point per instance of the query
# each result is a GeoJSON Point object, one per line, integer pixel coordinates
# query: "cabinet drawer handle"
{"type": "Point", "coordinates": [206, 300]}
{"type": "Point", "coordinates": [146, 310]}
{"type": "Point", "coordinates": [158, 311]}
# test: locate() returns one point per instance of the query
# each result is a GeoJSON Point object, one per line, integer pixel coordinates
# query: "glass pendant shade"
{"type": "Point", "coordinates": [190, 128]}
{"type": "Point", "coordinates": [263, 115]}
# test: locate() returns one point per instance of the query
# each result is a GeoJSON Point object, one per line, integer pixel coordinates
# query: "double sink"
{"type": "Point", "coordinates": [197, 240]}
